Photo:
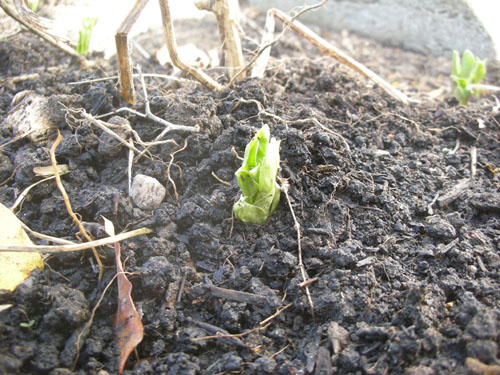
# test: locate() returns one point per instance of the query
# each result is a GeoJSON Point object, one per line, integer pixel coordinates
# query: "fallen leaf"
{"type": "Point", "coordinates": [127, 323]}
{"type": "Point", "coordinates": [15, 267]}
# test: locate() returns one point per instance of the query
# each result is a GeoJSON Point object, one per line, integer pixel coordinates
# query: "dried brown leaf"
{"type": "Point", "coordinates": [127, 323]}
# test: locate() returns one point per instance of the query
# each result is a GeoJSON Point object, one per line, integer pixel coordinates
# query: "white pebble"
{"type": "Point", "coordinates": [147, 192]}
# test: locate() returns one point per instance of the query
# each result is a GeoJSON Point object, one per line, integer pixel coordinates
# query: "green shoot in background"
{"type": "Point", "coordinates": [466, 75]}
{"type": "Point", "coordinates": [260, 193]}
{"type": "Point", "coordinates": [33, 5]}
{"type": "Point", "coordinates": [88, 24]}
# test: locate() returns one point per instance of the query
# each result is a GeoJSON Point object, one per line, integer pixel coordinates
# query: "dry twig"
{"type": "Point", "coordinates": [38, 25]}
{"type": "Point", "coordinates": [227, 14]}
{"type": "Point", "coordinates": [168, 28]}
{"type": "Point", "coordinates": [332, 51]}
{"type": "Point", "coordinates": [123, 54]}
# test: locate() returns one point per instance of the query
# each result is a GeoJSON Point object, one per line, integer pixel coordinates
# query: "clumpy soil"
{"type": "Point", "coordinates": [401, 242]}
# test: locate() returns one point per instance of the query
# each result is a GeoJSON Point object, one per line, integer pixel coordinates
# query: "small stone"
{"type": "Point", "coordinates": [147, 192]}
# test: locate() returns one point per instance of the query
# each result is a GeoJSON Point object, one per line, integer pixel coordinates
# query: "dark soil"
{"type": "Point", "coordinates": [406, 277]}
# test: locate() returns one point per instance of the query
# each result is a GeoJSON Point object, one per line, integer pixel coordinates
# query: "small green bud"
{"type": "Point", "coordinates": [257, 179]}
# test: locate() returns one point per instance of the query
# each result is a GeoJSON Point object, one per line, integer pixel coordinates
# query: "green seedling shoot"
{"type": "Point", "coordinates": [88, 24]}
{"type": "Point", "coordinates": [33, 5]}
{"type": "Point", "coordinates": [27, 325]}
{"type": "Point", "coordinates": [466, 75]}
{"type": "Point", "coordinates": [260, 193]}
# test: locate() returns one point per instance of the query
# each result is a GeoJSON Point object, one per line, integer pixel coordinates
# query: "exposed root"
{"type": "Point", "coordinates": [305, 278]}
{"type": "Point", "coordinates": [83, 232]}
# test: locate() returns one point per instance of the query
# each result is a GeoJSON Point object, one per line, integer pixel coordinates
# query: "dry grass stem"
{"type": "Point", "coordinates": [332, 51]}
{"type": "Point", "coordinates": [38, 25]}
{"type": "Point", "coordinates": [220, 179]}
{"type": "Point", "coordinates": [45, 237]}
{"type": "Point", "coordinates": [150, 75]}
{"type": "Point", "coordinates": [267, 41]}
{"type": "Point", "coordinates": [78, 246]}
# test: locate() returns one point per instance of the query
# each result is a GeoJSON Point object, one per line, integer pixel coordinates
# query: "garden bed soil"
{"type": "Point", "coordinates": [405, 265]}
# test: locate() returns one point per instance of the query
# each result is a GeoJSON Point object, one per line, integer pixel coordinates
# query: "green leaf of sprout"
{"type": "Point", "coordinates": [257, 179]}
{"type": "Point", "coordinates": [466, 72]}
{"type": "Point", "coordinates": [88, 24]}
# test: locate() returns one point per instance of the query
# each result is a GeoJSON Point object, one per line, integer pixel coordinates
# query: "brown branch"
{"type": "Point", "coordinates": [123, 53]}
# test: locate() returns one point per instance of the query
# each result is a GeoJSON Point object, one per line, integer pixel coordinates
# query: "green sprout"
{"type": "Point", "coordinates": [466, 75]}
{"type": "Point", "coordinates": [88, 24]}
{"type": "Point", "coordinates": [33, 5]}
{"type": "Point", "coordinates": [27, 325]}
{"type": "Point", "coordinates": [260, 193]}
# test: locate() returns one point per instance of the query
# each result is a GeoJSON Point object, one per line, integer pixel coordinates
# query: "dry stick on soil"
{"type": "Point", "coordinates": [152, 75]}
{"type": "Point", "coordinates": [123, 54]}
{"type": "Point", "coordinates": [105, 127]}
{"type": "Point", "coordinates": [227, 14]}
{"type": "Point", "coordinates": [473, 162]}
{"type": "Point", "coordinates": [83, 232]}
{"type": "Point", "coordinates": [218, 335]}
{"type": "Point", "coordinates": [267, 42]}
{"type": "Point", "coordinates": [278, 312]}
{"type": "Point", "coordinates": [26, 17]}
{"type": "Point", "coordinates": [284, 188]}
{"type": "Point", "coordinates": [236, 295]}
{"type": "Point", "coordinates": [168, 28]}
{"type": "Point", "coordinates": [25, 192]}
{"type": "Point", "coordinates": [77, 246]}
{"type": "Point", "coordinates": [150, 116]}
{"type": "Point", "coordinates": [332, 51]}
{"type": "Point", "coordinates": [220, 179]}
{"type": "Point", "coordinates": [45, 237]}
